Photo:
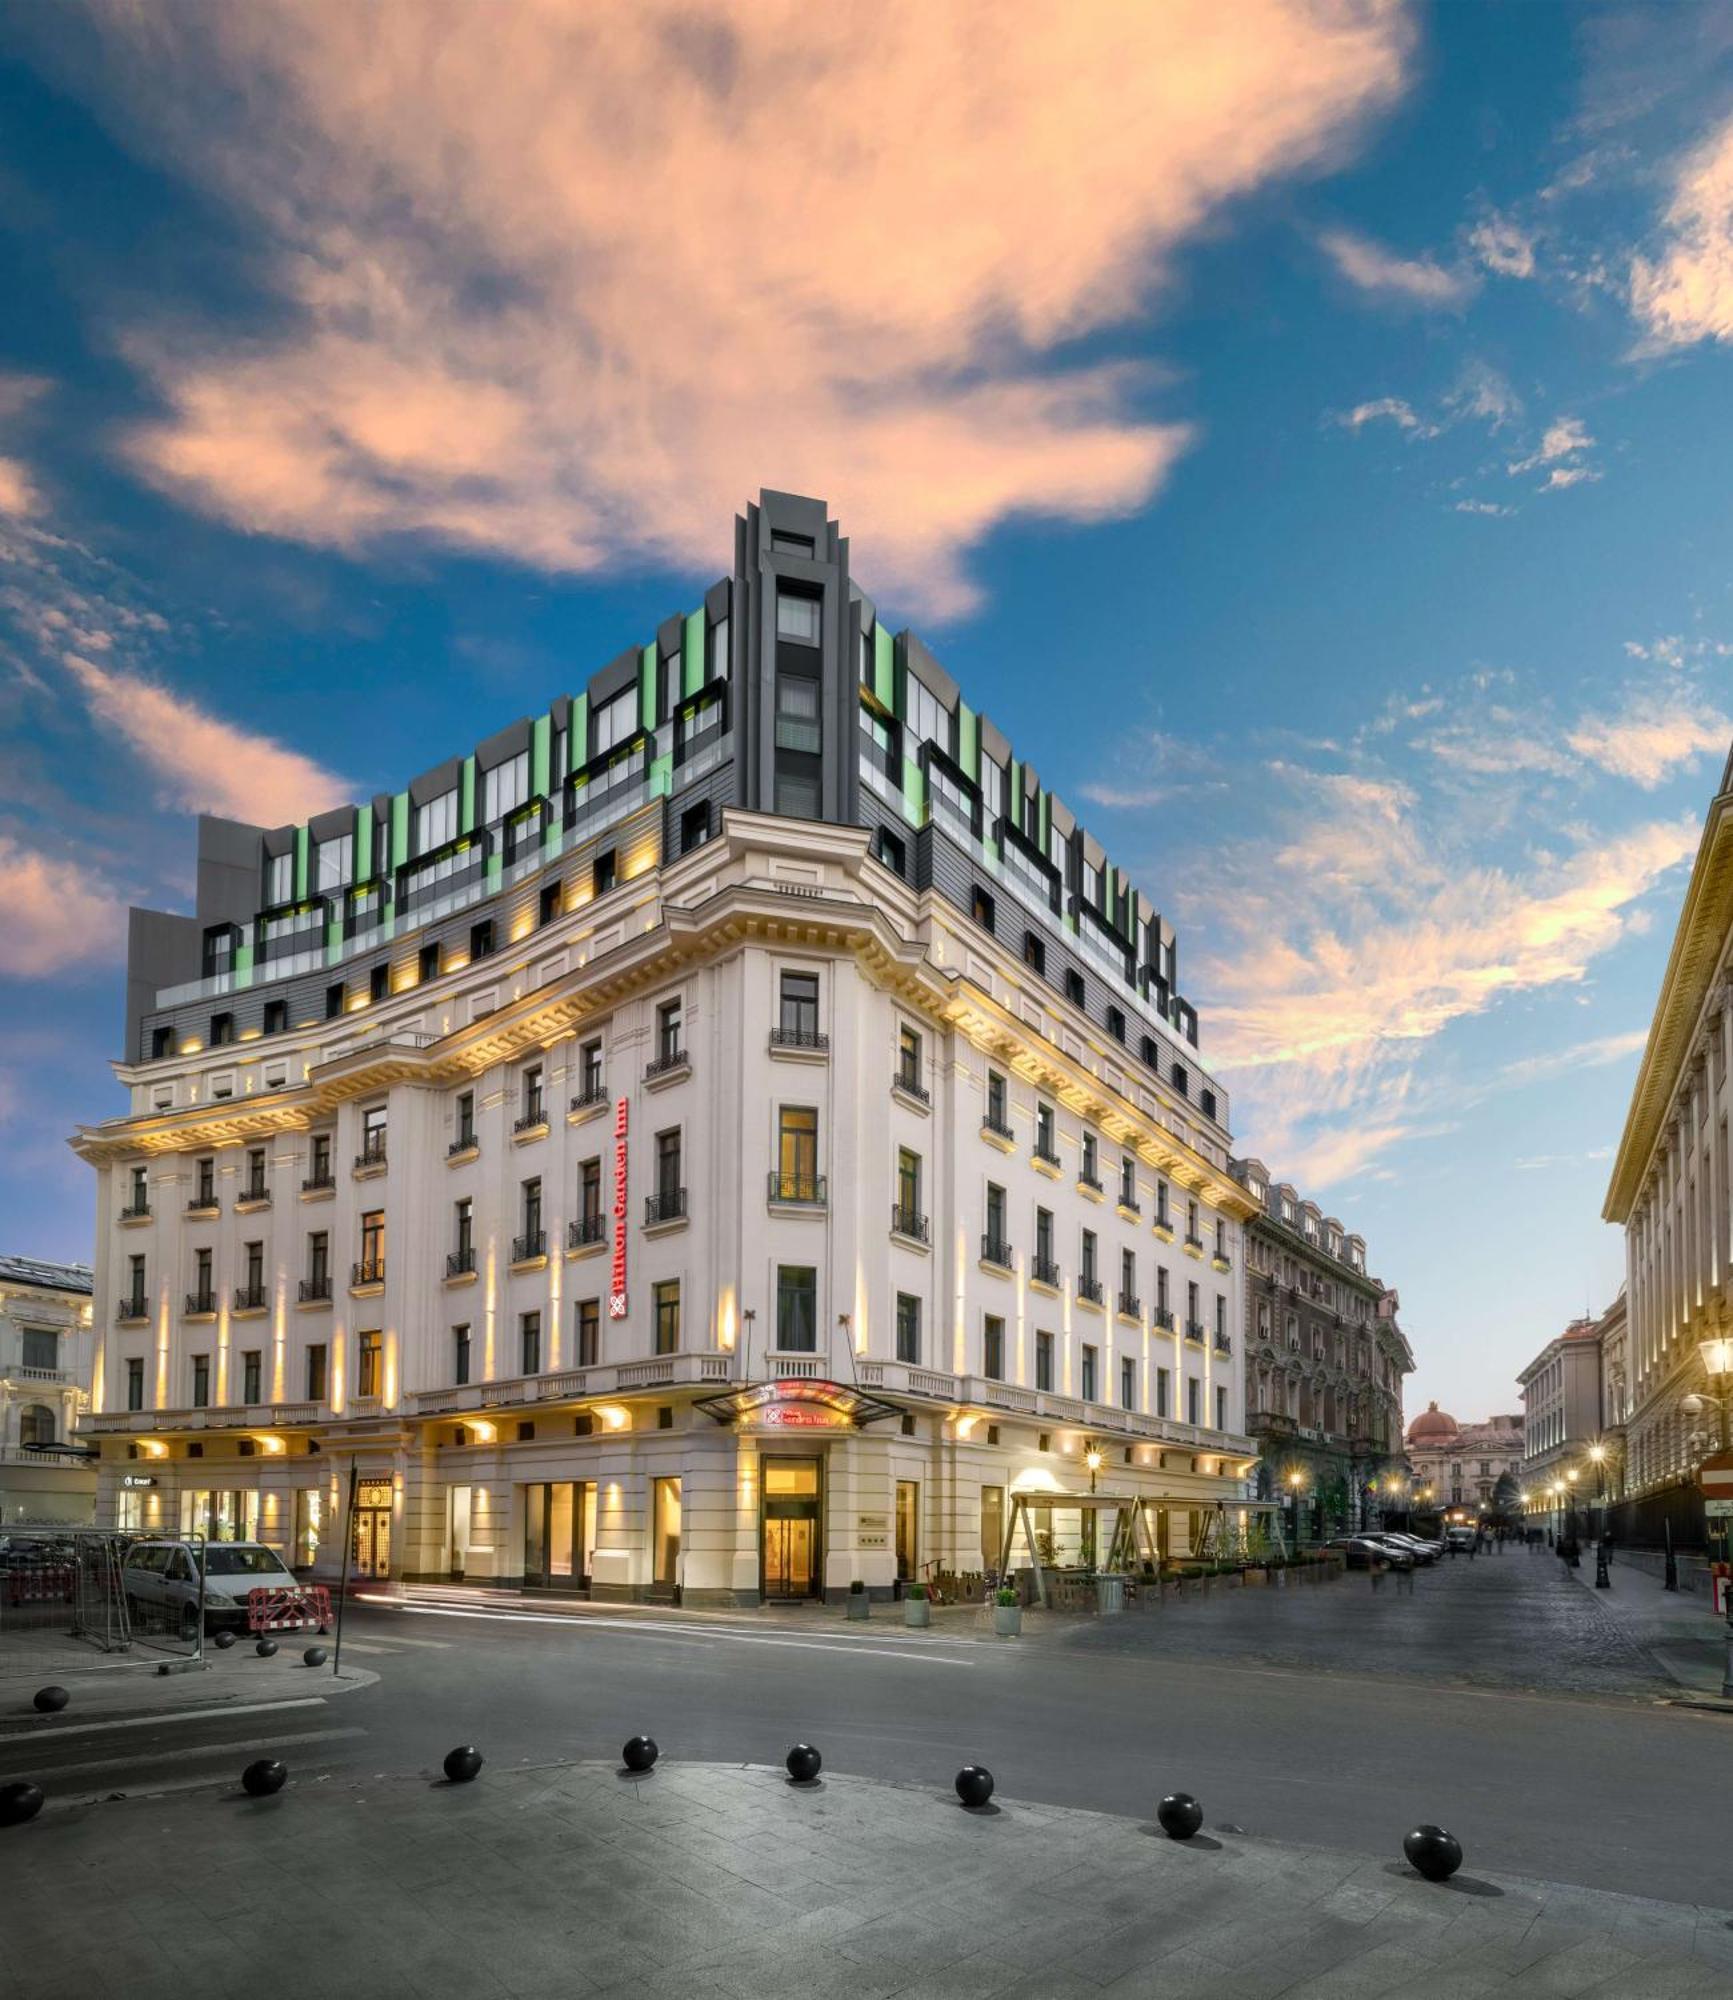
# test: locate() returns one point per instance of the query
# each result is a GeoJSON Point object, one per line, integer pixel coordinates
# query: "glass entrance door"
{"type": "Point", "coordinates": [791, 1540]}
{"type": "Point", "coordinates": [908, 1514]}
{"type": "Point", "coordinates": [559, 1534]}
{"type": "Point", "coordinates": [371, 1553]}
{"type": "Point", "coordinates": [665, 1505]}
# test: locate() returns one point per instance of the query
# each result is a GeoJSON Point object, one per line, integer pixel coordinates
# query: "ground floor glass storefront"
{"type": "Point", "coordinates": [559, 1532]}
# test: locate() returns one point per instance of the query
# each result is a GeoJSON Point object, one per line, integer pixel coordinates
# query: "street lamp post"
{"type": "Point", "coordinates": [1718, 1368]}
{"type": "Point", "coordinates": [1598, 1456]}
{"type": "Point", "coordinates": [1296, 1480]}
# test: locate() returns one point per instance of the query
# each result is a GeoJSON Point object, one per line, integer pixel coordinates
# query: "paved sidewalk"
{"type": "Point", "coordinates": [133, 1687]}
{"type": "Point", "coordinates": [722, 1880]}
{"type": "Point", "coordinates": [1677, 1628]}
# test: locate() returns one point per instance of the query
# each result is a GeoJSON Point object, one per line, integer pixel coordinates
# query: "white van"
{"type": "Point", "coordinates": [161, 1580]}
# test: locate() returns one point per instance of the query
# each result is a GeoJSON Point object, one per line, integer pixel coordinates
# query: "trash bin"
{"type": "Point", "coordinates": [1109, 1594]}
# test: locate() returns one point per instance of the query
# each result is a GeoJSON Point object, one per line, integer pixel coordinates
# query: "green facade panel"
{"type": "Point", "coordinates": [541, 753]}
{"type": "Point", "coordinates": [363, 843]}
{"type": "Point", "coordinates": [647, 687]}
{"type": "Point", "coordinates": [579, 753]}
{"type": "Point", "coordinates": [661, 776]}
{"type": "Point", "coordinates": [398, 850]}
{"type": "Point", "coordinates": [885, 667]}
{"type": "Point", "coordinates": [466, 797]}
{"type": "Point", "coordinates": [914, 793]}
{"type": "Point", "coordinates": [969, 742]}
{"type": "Point", "coordinates": [303, 861]}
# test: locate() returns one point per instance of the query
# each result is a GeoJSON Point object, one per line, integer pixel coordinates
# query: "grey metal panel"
{"type": "Point", "coordinates": [994, 744]}
{"type": "Point", "coordinates": [230, 873]}
{"type": "Point", "coordinates": [716, 788]}
{"type": "Point", "coordinates": [436, 783]}
{"type": "Point", "coordinates": [501, 748]}
{"type": "Point", "coordinates": [923, 663]}
{"type": "Point", "coordinates": [161, 950]}
{"type": "Point", "coordinates": [332, 825]}
{"type": "Point", "coordinates": [619, 674]}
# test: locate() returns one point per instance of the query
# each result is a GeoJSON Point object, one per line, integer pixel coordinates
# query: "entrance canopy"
{"type": "Point", "coordinates": [797, 1405]}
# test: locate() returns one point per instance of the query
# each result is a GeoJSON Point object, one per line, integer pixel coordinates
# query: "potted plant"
{"type": "Point", "coordinates": [917, 1610]}
{"type": "Point", "coordinates": [859, 1604]}
{"type": "Point", "coordinates": [1007, 1613]}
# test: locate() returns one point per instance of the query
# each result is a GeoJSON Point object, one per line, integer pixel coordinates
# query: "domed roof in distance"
{"type": "Point", "coordinates": [1434, 1424]}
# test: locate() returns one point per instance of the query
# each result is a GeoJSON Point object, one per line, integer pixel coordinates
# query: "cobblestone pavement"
{"type": "Point", "coordinates": [1510, 1621]}
{"type": "Point", "coordinates": [716, 1880]}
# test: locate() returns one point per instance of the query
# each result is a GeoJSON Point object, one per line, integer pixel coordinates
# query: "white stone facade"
{"type": "Point", "coordinates": [216, 1392]}
{"type": "Point", "coordinates": [46, 1349]}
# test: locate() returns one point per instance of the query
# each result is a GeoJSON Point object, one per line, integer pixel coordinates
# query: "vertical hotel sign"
{"type": "Point", "coordinates": [617, 1288]}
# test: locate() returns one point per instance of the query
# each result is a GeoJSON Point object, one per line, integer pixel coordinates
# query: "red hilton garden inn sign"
{"type": "Point", "coordinates": [617, 1288]}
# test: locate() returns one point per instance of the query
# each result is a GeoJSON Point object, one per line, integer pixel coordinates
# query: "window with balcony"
{"type": "Point", "coordinates": [670, 1047]}
{"type": "Point", "coordinates": [797, 1308]}
{"type": "Point", "coordinates": [587, 1332]}
{"type": "Point", "coordinates": [998, 1118]}
{"type": "Point", "coordinates": [373, 1129]}
{"type": "Point", "coordinates": [204, 1184]}
{"type": "Point", "coordinates": [669, 1164]}
{"type": "Point", "coordinates": [464, 1136]}
{"type": "Point", "coordinates": [1221, 1408]}
{"type": "Point", "coordinates": [1045, 1267]}
{"type": "Point", "coordinates": [533, 1109]}
{"type": "Point", "coordinates": [591, 1087]}
{"type": "Point", "coordinates": [202, 1298]}
{"type": "Point", "coordinates": [134, 1305]}
{"type": "Point", "coordinates": [461, 1258]}
{"type": "Point", "coordinates": [908, 1218]}
{"type": "Point", "coordinates": [666, 1312]}
{"type": "Point", "coordinates": [589, 1226]}
{"type": "Point", "coordinates": [529, 1328]}
{"type": "Point", "coordinates": [370, 1270]}
{"type": "Point", "coordinates": [250, 1293]}
{"type": "Point", "coordinates": [909, 1064]}
{"type": "Point", "coordinates": [995, 1245]}
{"type": "Point", "coordinates": [909, 1328]}
{"type": "Point", "coordinates": [319, 1174]}
{"type": "Point", "coordinates": [1128, 1182]}
{"type": "Point", "coordinates": [531, 1240]}
{"type": "Point", "coordinates": [1043, 1360]}
{"type": "Point", "coordinates": [369, 1348]}
{"type": "Point", "coordinates": [797, 1012]}
{"type": "Point", "coordinates": [1046, 1136]}
{"type": "Point", "coordinates": [255, 1187]}
{"type": "Point", "coordinates": [1089, 1173]}
{"type": "Point", "coordinates": [797, 1177]}
{"type": "Point", "coordinates": [993, 1348]}
{"type": "Point", "coordinates": [138, 1195]}
{"type": "Point", "coordinates": [1088, 1277]}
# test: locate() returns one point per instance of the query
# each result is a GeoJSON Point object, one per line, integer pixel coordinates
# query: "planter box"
{"type": "Point", "coordinates": [1008, 1620]}
{"type": "Point", "coordinates": [859, 1604]}
{"type": "Point", "coordinates": [917, 1611]}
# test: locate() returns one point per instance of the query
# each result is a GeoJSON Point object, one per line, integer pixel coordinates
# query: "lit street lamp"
{"type": "Point", "coordinates": [1718, 1368]}
{"type": "Point", "coordinates": [1296, 1480]}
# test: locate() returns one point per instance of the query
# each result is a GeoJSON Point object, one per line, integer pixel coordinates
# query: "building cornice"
{"type": "Point", "coordinates": [1698, 944]}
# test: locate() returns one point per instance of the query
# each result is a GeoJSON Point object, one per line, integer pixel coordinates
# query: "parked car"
{"type": "Point", "coordinates": [1460, 1537]}
{"type": "Point", "coordinates": [1362, 1551]}
{"type": "Point", "coordinates": [1397, 1544]}
{"type": "Point", "coordinates": [1423, 1551]}
{"type": "Point", "coordinates": [161, 1580]}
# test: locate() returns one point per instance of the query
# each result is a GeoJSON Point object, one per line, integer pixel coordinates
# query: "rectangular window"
{"type": "Point", "coordinates": [993, 1348]}
{"type": "Point", "coordinates": [532, 1218]}
{"type": "Point", "coordinates": [1127, 1182]}
{"type": "Point", "coordinates": [335, 863]}
{"type": "Point", "coordinates": [1162, 1395]}
{"type": "Point", "coordinates": [534, 1103]}
{"type": "Point", "coordinates": [41, 1348]}
{"type": "Point", "coordinates": [205, 1189]}
{"type": "Point", "coordinates": [436, 822]}
{"type": "Point", "coordinates": [1221, 1408]}
{"type": "Point", "coordinates": [465, 1119]}
{"type": "Point", "coordinates": [604, 874]}
{"type": "Point", "coordinates": [998, 1105]}
{"type": "Point", "coordinates": [1046, 1146]}
{"type": "Point", "coordinates": [590, 1193]}
{"type": "Point", "coordinates": [367, 1358]}
{"type": "Point", "coordinates": [464, 1216]}
{"type": "Point", "coordinates": [135, 1383]}
{"type": "Point", "coordinates": [372, 1266]}
{"type": "Point", "coordinates": [909, 1186]}
{"type": "Point", "coordinates": [460, 1355]}
{"type": "Point", "coordinates": [251, 1375]}
{"type": "Point", "coordinates": [797, 1308]}
{"type": "Point", "coordinates": [317, 1372]}
{"type": "Point", "coordinates": [590, 1070]}
{"type": "Point", "coordinates": [995, 1215]}
{"type": "Point", "coordinates": [929, 721]}
{"type": "Point", "coordinates": [319, 1262]}
{"type": "Point", "coordinates": [797, 1153]}
{"type": "Point", "coordinates": [909, 1329]}
{"type": "Point", "coordinates": [201, 1381]}
{"type": "Point", "coordinates": [280, 879]}
{"type": "Point", "coordinates": [135, 1297]}
{"type": "Point", "coordinates": [530, 1343]}
{"type": "Point", "coordinates": [798, 1016]}
{"type": "Point", "coordinates": [1127, 1383]}
{"type": "Point", "coordinates": [588, 1340]}
{"type": "Point", "coordinates": [798, 617]}
{"type": "Point", "coordinates": [505, 787]}
{"type": "Point", "coordinates": [667, 1304]}
{"type": "Point", "coordinates": [668, 1031]}
{"type": "Point", "coordinates": [614, 721]}
{"type": "Point", "coordinates": [1044, 1239]}
{"type": "Point", "coordinates": [1044, 1361]}
{"type": "Point", "coordinates": [694, 826]}
{"type": "Point", "coordinates": [1089, 1270]}
{"type": "Point", "coordinates": [1193, 1393]}
{"type": "Point", "coordinates": [1088, 1383]}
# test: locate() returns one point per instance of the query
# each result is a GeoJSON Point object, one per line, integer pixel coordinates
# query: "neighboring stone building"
{"type": "Point", "coordinates": [1670, 1193]}
{"type": "Point", "coordinates": [1459, 1466]}
{"type": "Point", "coordinates": [46, 1348]}
{"type": "Point", "coordinates": [1325, 1358]}
{"type": "Point", "coordinates": [1566, 1447]}
{"type": "Point", "coordinates": [762, 1131]}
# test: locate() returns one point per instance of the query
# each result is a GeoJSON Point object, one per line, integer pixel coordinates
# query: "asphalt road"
{"type": "Point", "coordinates": [1301, 1714]}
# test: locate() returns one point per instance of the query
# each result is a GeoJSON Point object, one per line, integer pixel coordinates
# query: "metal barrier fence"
{"type": "Point", "coordinates": [75, 1599]}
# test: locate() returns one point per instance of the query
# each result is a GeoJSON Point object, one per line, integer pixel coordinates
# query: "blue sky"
{"type": "Point", "coordinates": [1303, 427]}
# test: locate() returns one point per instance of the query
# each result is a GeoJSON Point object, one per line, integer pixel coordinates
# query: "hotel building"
{"type": "Point", "coordinates": [720, 1137]}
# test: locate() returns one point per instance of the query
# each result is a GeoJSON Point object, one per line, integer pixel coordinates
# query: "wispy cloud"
{"type": "Point", "coordinates": [59, 914]}
{"type": "Point", "coordinates": [20, 496]}
{"type": "Point", "coordinates": [1482, 507]}
{"type": "Point", "coordinates": [1684, 294]}
{"type": "Point", "coordinates": [1592, 1054]}
{"type": "Point", "coordinates": [201, 762]}
{"type": "Point", "coordinates": [1655, 732]}
{"type": "Point", "coordinates": [1564, 438]}
{"type": "Point", "coordinates": [1387, 409]}
{"type": "Point", "coordinates": [1416, 281]}
{"type": "Point", "coordinates": [1503, 246]}
{"type": "Point", "coordinates": [527, 277]}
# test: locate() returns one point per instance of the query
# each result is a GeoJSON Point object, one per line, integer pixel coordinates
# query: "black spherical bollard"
{"type": "Point", "coordinates": [51, 1700]}
{"type": "Point", "coordinates": [1433, 1853]}
{"type": "Point", "coordinates": [974, 1784]}
{"type": "Point", "coordinates": [804, 1763]}
{"type": "Point", "coordinates": [1179, 1815]}
{"type": "Point", "coordinates": [315, 1656]}
{"type": "Point", "coordinates": [223, 1640]}
{"type": "Point", "coordinates": [265, 1648]}
{"type": "Point", "coordinates": [265, 1776]}
{"type": "Point", "coordinates": [462, 1763]}
{"type": "Point", "coordinates": [19, 1801]}
{"type": "Point", "coordinates": [640, 1753]}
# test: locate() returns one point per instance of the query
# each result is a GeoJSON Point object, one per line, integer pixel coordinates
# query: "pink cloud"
{"type": "Point", "coordinates": [567, 290]}
{"type": "Point", "coordinates": [202, 763]}
{"type": "Point", "coordinates": [59, 914]}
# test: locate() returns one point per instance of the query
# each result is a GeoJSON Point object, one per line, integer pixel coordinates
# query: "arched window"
{"type": "Point", "coordinates": [36, 1424]}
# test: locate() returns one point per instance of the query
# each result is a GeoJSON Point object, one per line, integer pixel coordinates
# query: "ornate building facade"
{"type": "Point", "coordinates": [1325, 1358]}
{"type": "Point", "coordinates": [46, 1352]}
{"type": "Point", "coordinates": [1461, 1467]}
